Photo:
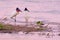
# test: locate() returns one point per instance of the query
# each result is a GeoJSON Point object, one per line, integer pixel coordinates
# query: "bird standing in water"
{"type": "Point", "coordinates": [17, 12]}
{"type": "Point", "coordinates": [6, 18]}
{"type": "Point", "coordinates": [26, 15]}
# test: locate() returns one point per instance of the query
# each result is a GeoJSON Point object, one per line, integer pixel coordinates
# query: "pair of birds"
{"type": "Point", "coordinates": [17, 12]}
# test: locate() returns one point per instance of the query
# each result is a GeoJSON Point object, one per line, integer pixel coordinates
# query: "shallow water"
{"type": "Point", "coordinates": [39, 9]}
{"type": "Point", "coordinates": [31, 36]}
{"type": "Point", "coordinates": [45, 10]}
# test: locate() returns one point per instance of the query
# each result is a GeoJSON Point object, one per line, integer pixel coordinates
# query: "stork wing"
{"type": "Point", "coordinates": [14, 15]}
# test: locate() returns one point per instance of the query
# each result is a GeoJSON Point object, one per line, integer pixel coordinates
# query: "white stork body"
{"type": "Point", "coordinates": [12, 17]}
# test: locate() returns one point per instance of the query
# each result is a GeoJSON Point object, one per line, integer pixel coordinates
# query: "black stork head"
{"type": "Point", "coordinates": [18, 10]}
{"type": "Point", "coordinates": [26, 9]}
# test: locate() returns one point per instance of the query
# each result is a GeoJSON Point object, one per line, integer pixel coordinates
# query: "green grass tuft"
{"type": "Point", "coordinates": [1, 26]}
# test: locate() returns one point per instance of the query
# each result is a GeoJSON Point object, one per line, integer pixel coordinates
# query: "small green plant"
{"type": "Point", "coordinates": [1, 26]}
{"type": "Point", "coordinates": [39, 23]}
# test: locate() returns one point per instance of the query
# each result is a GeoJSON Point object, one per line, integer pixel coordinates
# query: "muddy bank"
{"type": "Point", "coordinates": [8, 28]}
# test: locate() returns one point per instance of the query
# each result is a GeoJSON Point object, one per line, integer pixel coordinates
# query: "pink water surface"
{"type": "Point", "coordinates": [43, 9]}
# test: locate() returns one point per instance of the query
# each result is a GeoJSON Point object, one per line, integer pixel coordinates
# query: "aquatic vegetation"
{"type": "Point", "coordinates": [5, 27]}
{"type": "Point", "coordinates": [9, 28]}
{"type": "Point", "coordinates": [39, 23]}
{"type": "Point", "coordinates": [1, 26]}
